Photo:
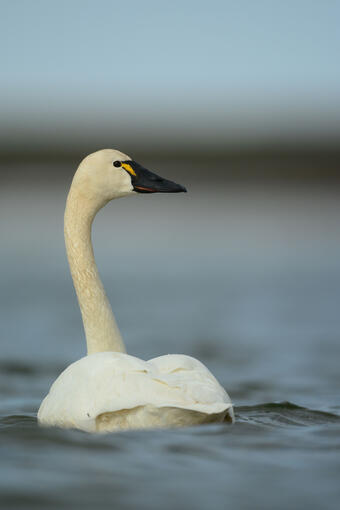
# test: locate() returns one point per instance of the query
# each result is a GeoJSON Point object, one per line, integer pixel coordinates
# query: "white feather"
{"type": "Point", "coordinates": [108, 389]}
{"type": "Point", "coordinates": [110, 382]}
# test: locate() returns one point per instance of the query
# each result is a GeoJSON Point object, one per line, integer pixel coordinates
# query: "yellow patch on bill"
{"type": "Point", "coordinates": [129, 169]}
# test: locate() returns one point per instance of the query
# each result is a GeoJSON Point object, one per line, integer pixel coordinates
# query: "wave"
{"type": "Point", "coordinates": [273, 414]}
{"type": "Point", "coordinates": [283, 414]}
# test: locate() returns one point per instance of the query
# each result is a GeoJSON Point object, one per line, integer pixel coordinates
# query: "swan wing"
{"type": "Point", "coordinates": [108, 382]}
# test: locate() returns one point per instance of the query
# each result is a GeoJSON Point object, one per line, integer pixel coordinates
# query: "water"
{"type": "Point", "coordinates": [248, 281]}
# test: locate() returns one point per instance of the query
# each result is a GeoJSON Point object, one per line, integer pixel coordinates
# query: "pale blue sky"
{"type": "Point", "coordinates": [256, 62]}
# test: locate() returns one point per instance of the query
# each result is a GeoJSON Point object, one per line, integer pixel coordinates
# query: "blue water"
{"type": "Point", "coordinates": [248, 281]}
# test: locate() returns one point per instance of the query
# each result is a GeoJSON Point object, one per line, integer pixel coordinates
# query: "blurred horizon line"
{"type": "Point", "coordinates": [268, 161]}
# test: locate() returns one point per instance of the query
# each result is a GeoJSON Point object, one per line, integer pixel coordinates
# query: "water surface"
{"type": "Point", "coordinates": [245, 279]}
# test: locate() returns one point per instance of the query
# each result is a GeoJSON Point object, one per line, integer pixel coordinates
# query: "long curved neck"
{"type": "Point", "coordinates": [102, 333]}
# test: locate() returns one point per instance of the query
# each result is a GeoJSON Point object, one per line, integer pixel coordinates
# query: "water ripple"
{"type": "Point", "coordinates": [283, 414]}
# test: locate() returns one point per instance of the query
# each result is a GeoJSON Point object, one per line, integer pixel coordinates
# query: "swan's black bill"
{"type": "Point", "coordinates": [144, 181]}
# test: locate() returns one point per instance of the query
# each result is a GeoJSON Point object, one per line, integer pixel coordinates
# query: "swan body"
{"type": "Point", "coordinates": [108, 389]}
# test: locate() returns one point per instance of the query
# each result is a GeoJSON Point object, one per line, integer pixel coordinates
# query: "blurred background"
{"type": "Point", "coordinates": [229, 79]}
{"type": "Point", "coordinates": [239, 102]}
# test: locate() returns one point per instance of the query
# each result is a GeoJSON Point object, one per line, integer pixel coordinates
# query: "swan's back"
{"type": "Point", "coordinates": [110, 390]}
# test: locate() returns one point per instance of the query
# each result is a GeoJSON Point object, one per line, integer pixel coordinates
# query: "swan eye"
{"type": "Point", "coordinates": [117, 163]}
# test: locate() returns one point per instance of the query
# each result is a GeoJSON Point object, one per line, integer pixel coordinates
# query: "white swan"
{"type": "Point", "coordinates": [109, 389]}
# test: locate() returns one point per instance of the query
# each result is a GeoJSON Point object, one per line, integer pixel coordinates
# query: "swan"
{"type": "Point", "coordinates": [109, 390]}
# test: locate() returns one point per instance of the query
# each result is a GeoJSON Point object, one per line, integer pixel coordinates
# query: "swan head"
{"type": "Point", "coordinates": [109, 174]}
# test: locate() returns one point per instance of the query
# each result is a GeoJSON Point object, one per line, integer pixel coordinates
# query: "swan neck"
{"type": "Point", "coordinates": [101, 330]}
